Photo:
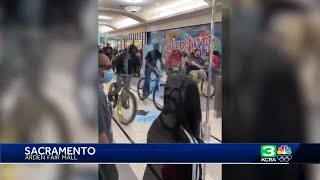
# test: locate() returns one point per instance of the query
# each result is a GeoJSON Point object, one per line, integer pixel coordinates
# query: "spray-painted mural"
{"type": "Point", "coordinates": [187, 38]}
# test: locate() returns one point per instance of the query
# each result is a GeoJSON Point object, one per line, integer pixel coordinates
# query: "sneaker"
{"type": "Point", "coordinates": [110, 98]}
{"type": "Point", "coordinates": [145, 96]}
{"type": "Point", "coordinates": [115, 102]}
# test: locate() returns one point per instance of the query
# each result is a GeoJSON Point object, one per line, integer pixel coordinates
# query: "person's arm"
{"type": "Point", "coordinates": [102, 138]}
{"type": "Point", "coordinates": [162, 62]}
{"type": "Point", "coordinates": [195, 64]}
{"type": "Point", "coordinates": [148, 58]}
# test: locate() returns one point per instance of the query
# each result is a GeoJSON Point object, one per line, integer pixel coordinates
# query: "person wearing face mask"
{"type": "Point", "coordinates": [106, 171]}
{"type": "Point", "coordinates": [194, 66]}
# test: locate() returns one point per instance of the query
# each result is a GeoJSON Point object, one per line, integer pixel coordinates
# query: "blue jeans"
{"type": "Point", "coordinates": [146, 85]}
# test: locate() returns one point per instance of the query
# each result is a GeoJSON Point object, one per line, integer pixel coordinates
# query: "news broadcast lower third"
{"type": "Point", "coordinates": [159, 90]}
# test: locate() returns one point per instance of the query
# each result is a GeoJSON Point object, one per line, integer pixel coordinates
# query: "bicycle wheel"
{"type": "Point", "coordinates": [140, 88]}
{"type": "Point", "coordinates": [114, 99]}
{"type": "Point", "coordinates": [204, 88]}
{"type": "Point", "coordinates": [41, 122]}
{"type": "Point", "coordinates": [127, 107]}
{"type": "Point", "coordinates": [158, 97]}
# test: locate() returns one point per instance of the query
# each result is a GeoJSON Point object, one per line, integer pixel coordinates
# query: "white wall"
{"type": "Point", "coordinates": [186, 22]}
{"type": "Point", "coordinates": [131, 31]}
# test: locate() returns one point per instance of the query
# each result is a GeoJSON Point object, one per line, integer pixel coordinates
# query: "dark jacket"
{"type": "Point", "coordinates": [175, 123]}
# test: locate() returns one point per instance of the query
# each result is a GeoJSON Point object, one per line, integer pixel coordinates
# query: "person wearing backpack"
{"type": "Point", "coordinates": [179, 122]}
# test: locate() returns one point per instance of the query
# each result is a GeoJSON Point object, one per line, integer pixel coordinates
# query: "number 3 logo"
{"type": "Point", "coordinates": [268, 151]}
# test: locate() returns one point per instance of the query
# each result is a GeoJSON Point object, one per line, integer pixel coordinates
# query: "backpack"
{"type": "Point", "coordinates": [182, 98]}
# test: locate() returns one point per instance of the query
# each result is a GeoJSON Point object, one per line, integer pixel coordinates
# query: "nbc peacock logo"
{"type": "Point", "coordinates": [284, 153]}
{"type": "Point", "coordinates": [275, 154]}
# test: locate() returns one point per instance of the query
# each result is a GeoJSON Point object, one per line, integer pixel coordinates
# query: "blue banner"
{"type": "Point", "coordinates": [160, 153]}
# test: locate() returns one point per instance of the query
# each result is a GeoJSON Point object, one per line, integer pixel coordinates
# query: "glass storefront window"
{"type": "Point", "coordinates": [185, 43]}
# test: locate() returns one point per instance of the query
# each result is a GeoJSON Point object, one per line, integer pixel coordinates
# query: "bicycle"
{"type": "Point", "coordinates": [205, 83]}
{"type": "Point", "coordinates": [158, 87]}
{"type": "Point", "coordinates": [122, 100]}
{"type": "Point", "coordinates": [33, 117]}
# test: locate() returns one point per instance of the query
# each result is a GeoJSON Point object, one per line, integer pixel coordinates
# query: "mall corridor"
{"type": "Point", "coordinates": [181, 29]}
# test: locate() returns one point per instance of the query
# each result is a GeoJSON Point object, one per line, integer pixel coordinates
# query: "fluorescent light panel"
{"type": "Point", "coordinates": [103, 29]}
{"type": "Point", "coordinates": [125, 23]}
{"type": "Point", "coordinates": [104, 17]}
{"type": "Point", "coordinates": [179, 7]}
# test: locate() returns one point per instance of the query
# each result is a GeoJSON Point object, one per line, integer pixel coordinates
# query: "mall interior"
{"type": "Point", "coordinates": [176, 25]}
{"type": "Point", "coordinates": [158, 79]}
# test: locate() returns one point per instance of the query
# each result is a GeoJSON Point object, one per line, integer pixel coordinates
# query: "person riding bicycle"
{"type": "Point", "coordinates": [151, 64]}
{"type": "Point", "coordinates": [134, 61]}
{"type": "Point", "coordinates": [174, 60]}
{"type": "Point", "coordinates": [194, 66]}
{"type": "Point", "coordinates": [124, 66]}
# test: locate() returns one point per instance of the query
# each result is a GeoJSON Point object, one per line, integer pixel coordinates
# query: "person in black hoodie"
{"type": "Point", "coordinates": [108, 50]}
{"type": "Point", "coordinates": [179, 122]}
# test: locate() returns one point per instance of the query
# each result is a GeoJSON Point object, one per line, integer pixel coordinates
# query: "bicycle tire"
{"type": "Point", "coordinates": [158, 106]}
{"type": "Point", "coordinates": [119, 108]}
{"type": "Point", "coordinates": [114, 101]}
{"type": "Point", "coordinates": [141, 82]}
{"type": "Point", "coordinates": [24, 129]}
{"type": "Point", "coordinates": [203, 89]}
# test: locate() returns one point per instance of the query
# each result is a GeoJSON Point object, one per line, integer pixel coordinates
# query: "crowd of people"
{"type": "Point", "coordinates": [194, 63]}
{"type": "Point", "coordinates": [132, 53]}
{"type": "Point", "coordinates": [129, 62]}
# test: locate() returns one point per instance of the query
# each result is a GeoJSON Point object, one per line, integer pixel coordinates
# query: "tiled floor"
{"type": "Point", "coordinates": [138, 130]}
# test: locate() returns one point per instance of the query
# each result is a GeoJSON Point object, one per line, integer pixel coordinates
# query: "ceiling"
{"type": "Point", "coordinates": [113, 15]}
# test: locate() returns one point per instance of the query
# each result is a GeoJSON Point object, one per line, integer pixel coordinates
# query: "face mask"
{"type": "Point", "coordinates": [108, 76]}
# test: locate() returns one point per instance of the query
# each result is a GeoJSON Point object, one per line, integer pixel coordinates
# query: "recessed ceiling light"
{"type": "Point", "coordinates": [157, 4]}
{"type": "Point", "coordinates": [133, 8]}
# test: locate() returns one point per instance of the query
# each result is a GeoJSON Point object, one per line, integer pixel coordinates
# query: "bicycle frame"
{"type": "Point", "coordinates": [123, 83]}
{"type": "Point", "coordinates": [157, 81]}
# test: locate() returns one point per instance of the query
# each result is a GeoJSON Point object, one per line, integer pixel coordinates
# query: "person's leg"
{"type": "Point", "coordinates": [146, 82]}
{"type": "Point", "coordinates": [214, 77]}
{"type": "Point", "coordinates": [117, 87]}
{"type": "Point", "coordinates": [155, 73]}
{"type": "Point", "coordinates": [194, 75]}
{"type": "Point", "coordinates": [108, 172]}
{"type": "Point", "coordinates": [125, 97]}
{"type": "Point", "coordinates": [201, 75]}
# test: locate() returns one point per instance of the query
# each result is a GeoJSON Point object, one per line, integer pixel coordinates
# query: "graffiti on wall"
{"type": "Point", "coordinates": [186, 39]}
{"type": "Point", "coordinates": [203, 43]}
